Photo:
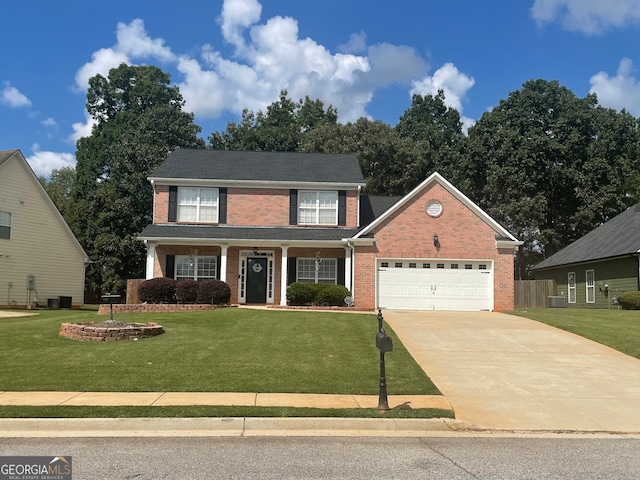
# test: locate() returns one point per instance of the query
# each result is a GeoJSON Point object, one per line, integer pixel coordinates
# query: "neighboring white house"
{"type": "Point", "coordinates": [41, 261]}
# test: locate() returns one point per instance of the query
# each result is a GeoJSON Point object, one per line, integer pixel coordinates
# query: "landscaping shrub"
{"type": "Point", "coordinates": [301, 293]}
{"type": "Point", "coordinates": [158, 290]}
{"type": "Point", "coordinates": [187, 291]}
{"type": "Point", "coordinates": [629, 300]}
{"type": "Point", "coordinates": [214, 292]}
{"type": "Point", "coordinates": [332, 295]}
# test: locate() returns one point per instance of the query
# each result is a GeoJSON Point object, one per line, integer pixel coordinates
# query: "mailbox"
{"type": "Point", "coordinates": [383, 342]}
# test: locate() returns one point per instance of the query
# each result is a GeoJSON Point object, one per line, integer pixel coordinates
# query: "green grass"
{"type": "Point", "coordinates": [226, 350]}
{"type": "Point", "coordinates": [618, 329]}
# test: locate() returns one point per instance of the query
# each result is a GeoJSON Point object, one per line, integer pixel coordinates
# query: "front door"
{"type": "Point", "coordinates": [257, 280]}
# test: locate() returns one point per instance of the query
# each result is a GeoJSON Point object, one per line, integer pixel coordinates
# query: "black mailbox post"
{"type": "Point", "coordinates": [384, 344]}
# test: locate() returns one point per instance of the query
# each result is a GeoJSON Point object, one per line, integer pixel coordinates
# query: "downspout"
{"type": "Point", "coordinates": [353, 268]}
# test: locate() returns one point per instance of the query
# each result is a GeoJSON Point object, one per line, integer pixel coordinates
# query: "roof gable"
{"type": "Point", "coordinates": [5, 156]}
{"type": "Point", "coordinates": [265, 167]}
{"type": "Point", "coordinates": [619, 236]}
{"type": "Point", "coordinates": [435, 177]}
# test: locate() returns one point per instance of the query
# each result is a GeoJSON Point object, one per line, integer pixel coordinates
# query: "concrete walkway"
{"type": "Point", "coordinates": [506, 372]}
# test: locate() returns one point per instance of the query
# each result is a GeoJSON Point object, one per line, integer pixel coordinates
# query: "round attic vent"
{"type": "Point", "coordinates": [434, 208]}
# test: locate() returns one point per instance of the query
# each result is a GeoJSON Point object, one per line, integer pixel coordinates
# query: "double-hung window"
{"type": "Point", "coordinates": [323, 270]}
{"type": "Point", "coordinates": [198, 204]}
{"type": "Point", "coordinates": [591, 286]}
{"type": "Point", "coordinates": [196, 268]}
{"type": "Point", "coordinates": [5, 225]}
{"type": "Point", "coordinates": [318, 207]}
{"type": "Point", "coordinates": [571, 282]}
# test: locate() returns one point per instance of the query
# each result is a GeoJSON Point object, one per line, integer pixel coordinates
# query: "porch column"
{"type": "Point", "coordinates": [151, 255]}
{"type": "Point", "coordinates": [347, 269]}
{"type": "Point", "coordinates": [283, 276]}
{"type": "Point", "coordinates": [223, 263]}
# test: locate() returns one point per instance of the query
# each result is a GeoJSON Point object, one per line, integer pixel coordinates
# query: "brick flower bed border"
{"type": "Point", "coordinates": [100, 332]}
{"type": "Point", "coordinates": [153, 308]}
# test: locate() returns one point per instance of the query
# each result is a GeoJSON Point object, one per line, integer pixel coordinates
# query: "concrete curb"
{"type": "Point", "coordinates": [224, 427]}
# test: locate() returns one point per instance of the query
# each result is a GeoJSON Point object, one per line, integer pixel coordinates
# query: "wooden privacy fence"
{"type": "Point", "coordinates": [534, 293]}
{"type": "Point", "coordinates": [132, 291]}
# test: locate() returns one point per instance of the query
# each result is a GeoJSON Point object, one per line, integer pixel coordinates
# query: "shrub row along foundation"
{"type": "Point", "coordinates": [104, 333]}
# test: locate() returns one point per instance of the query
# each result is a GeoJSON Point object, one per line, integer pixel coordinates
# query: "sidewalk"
{"type": "Point", "coordinates": [217, 399]}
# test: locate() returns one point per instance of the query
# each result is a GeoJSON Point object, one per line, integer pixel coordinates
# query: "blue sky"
{"type": "Point", "coordinates": [364, 57]}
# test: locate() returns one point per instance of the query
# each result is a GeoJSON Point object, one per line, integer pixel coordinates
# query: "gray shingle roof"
{"type": "Point", "coordinates": [372, 206]}
{"type": "Point", "coordinates": [619, 236]}
{"type": "Point", "coordinates": [185, 163]}
{"type": "Point", "coordinates": [246, 233]}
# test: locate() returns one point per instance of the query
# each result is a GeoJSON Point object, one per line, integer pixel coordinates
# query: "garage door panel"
{"type": "Point", "coordinates": [402, 284]}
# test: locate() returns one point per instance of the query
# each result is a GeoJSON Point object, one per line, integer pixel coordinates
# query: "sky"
{"type": "Point", "coordinates": [365, 57]}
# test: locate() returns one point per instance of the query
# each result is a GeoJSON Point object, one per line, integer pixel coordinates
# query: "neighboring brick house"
{"type": "Point", "coordinates": [262, 220]}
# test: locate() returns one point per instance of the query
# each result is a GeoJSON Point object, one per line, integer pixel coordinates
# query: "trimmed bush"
{"type": "Point", "coordinates": [332, 295]}
{"type": "Point", "coordinates": [301, 293]}
{"type": "Point", "coordinates": [158, 290]}
{"type": "Point", "coordinates": [214, 292]}
{"type": "Point", "coordinates": [629, 300]}
{"type": "Point", "coordinates": [187, 291]}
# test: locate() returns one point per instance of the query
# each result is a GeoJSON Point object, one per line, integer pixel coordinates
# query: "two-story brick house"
{"type": "Point", "coordinates": [262, 220]}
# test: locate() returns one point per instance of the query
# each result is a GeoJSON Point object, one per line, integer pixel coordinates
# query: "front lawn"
{"type": "Point", "coordinates": [226, 350]}
{"type": "Point", "coordinates": [618, 329]}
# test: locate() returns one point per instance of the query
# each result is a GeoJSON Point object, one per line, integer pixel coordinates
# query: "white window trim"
{"type": "Point", "coordinates": [591, 287]}
{"type": "Point", "coordinates": [571, 287]}
{"type": "Point", "coordinates": [7, 225]}
{"type": "Point", "coordinates": [196, 259]}
{"type": "Point", "coordinates": [317, 207]}
{"type": "Point", "coordinates": [198, 205]}
{"type": "Point", "coordinates": [316, 270]}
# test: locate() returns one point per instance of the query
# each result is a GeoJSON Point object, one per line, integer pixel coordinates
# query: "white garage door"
{"type": "Point", "coordinates": [435, 284]}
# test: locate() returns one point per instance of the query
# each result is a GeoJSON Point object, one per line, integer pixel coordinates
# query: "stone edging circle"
{"type": "Point", "coordinates": [103, 332]}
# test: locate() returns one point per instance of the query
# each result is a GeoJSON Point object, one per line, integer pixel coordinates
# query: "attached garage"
{"type": "Point", "coordinates": [435, 284]}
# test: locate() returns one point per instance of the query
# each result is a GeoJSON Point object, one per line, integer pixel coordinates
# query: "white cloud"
{"type": "Point", "coordinates": [587, 16]}
{"type": "Point", "coordinates": [12, 97]}
{"type": "Point", "coordinates": [620, 91]}
{"type": "Point", "coordinates": [49, 122]}
{"type": "Point", "coordinates": [101, 62]}
{"type": "Point", "coordinates": [42, 163]}
{"type": "Point", "coordinates": [236, 16]}
{"type": "Point", "coordinates": [357, 43]}
{"type": "Point", "coordinates": [82, 129]}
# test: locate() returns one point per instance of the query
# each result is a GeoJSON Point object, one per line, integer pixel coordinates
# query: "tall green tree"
{"type": "Point", "coordinates": [550, 166]}
{"type": "Point", "coordinates": [138, 121]}
{"type": "Point", "coordinates": [281, 128]}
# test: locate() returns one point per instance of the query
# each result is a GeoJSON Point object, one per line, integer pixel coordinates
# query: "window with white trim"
{"type": "Point", "coordinates": [5, 225]}
{"type": "Point", "coordinates": [196, 268]}
{"type": "Point", "coordinates": [198, 204]}
{"type": "Point", "coordinates": [317, 207]}
{"type": "Point", "coordinates": [571, 282]}
{"type": "Point", "coordinates": [323, 271]}
{"type": "Point", "coordinates": [591, 286]}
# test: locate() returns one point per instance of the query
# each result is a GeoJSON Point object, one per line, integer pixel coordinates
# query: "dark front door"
{"type": "Point", "coordinates": [257, 280]}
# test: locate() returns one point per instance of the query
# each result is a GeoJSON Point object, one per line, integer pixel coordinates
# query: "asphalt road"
{"type": "Point", "coordinates": [460, 457]}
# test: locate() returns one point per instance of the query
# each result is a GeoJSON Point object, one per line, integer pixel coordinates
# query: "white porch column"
{"type": "Point", "coordinates": [347, 269]}
{"type": "Point", "coordinates": [223, 263]}
{"type": "Point", "coordinates": [283, 276]}
{"type": "Point", "coordinates": [151, 256]}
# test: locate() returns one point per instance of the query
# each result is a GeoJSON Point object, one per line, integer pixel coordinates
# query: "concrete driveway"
{"type": "Point", "coordinates": [505, 372]}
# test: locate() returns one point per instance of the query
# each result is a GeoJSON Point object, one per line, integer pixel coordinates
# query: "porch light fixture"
{"type": "Point", "coordinates": [255, 250]}
{"type": "Point", "coordinates": [436, 241]}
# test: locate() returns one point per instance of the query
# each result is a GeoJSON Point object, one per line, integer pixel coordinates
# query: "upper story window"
{"type": "Point", "coordinates": [5, 225]}
{"type": "Point", "coordinates": [198, 204]}
{"type": "Point", "coordinates": [318, 207]}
